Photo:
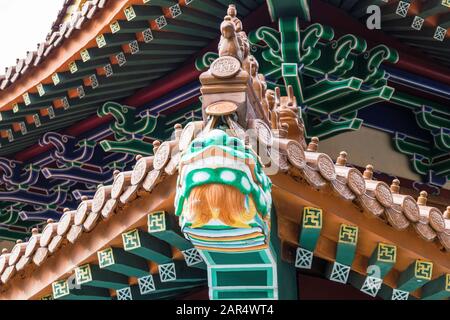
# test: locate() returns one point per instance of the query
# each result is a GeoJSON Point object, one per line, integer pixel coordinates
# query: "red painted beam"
{"type": "Point", "coordinates": [181, 77]}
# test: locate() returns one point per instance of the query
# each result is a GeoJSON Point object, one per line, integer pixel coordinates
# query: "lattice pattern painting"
{"type": "Point", "coordinates": [108, 70]}
{"type": "Point", "coordinates": [175, 11]}
{"type": "Point", "coordinates": [402, 8]}
{"type": "Point", "coordinates": [167, 272]}
{"type": "Point", "coordinates": [161, 22]}
{"type": "Point", "coordinates": [417, 23]}
{"type": "Point", "coordinates": [371, 286]}
{"type": "Point", "coordinates": [340, 273]}
{"type": "Point", "coordinates": [148, 35]}
{"type": "Point", "coordinates": [303, 258]}
{"type": "Point", "coordinates": [121, 59]}
{"type": "Point", "coordinates": [440, 33]}
{"type": "Point", "coordinates": [146, 284]}
{"type": "Point", "coordinates": [124, 294]}
{"type": "Point", "coordinates": [399, 295]}
{"type": "Point", "coordinates": [134, 47]}
{"type": "Point", "coordinates": [192, 257]}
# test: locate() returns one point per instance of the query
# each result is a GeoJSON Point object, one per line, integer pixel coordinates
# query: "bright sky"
{"type": "Point", "coordinates": [23, 24]}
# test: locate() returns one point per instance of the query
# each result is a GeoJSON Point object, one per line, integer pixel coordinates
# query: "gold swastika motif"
{"type": "Point", "coordinates": [423, 269]}
{"type": "Point", "coordinates": [55, 79]}
{"type": "Point", "coordinates": [348, 234]}
{"type": "Point", "coordinates": [115, 27]}
{"type": "Point", "coordinates": [312, 218]}
{"type": "Point", "coordinates": [105, 257]}
{"type": "Point", "coordinates": [26, 98]}
{"type": "Point", "coordinates": [387, 252]}
{"type": "Point", "coordinates": [131, 240]}
{"type": "Point", "coordinates": [130, 14]}
{"type": "Point", "coordinates": [83, 274]}
{"type": "Point", "coordinates": [157, 222]}
{"type": "Point", "coordinates": [85, 56]}
{"type": "Point", "coordinates": [101, 41]}
{"type": "Point", "coordinates": [73, 67]}
{"type": "Point", "coordinates": [447, 282]}
{"type": "Point", "coordinates": [446, 3]}
{"type": "Point", "coordinates": [60, 289]}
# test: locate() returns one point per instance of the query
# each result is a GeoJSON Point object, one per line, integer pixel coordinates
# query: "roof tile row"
{"type": "Point", "coordinates": [59, 32]}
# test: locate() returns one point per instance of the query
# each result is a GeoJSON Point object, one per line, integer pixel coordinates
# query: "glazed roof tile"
{"type": "Point", "coordinates": [59, 32]}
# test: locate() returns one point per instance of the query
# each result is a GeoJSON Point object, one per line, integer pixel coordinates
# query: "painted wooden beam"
{"type": "Point", "coordinates": [120, 261]}
{"type": "Point", "coordinates": [380, 264]}
{"type": "Point", "coordinates": [146, 246]}
{"type": "Point", "coordinates": [66, 290]}
{"type": "Point", "coordinates": [437, 289]}
{"type": "Point", "coordinates": [415, 276]}
{"type": "Point", "coordinates": [309, 235]}
{"type": "Point", "coordinates": [339, 270]}
{"type": "Point", "coordinates": [93, 276]}
{"type": "Point", "coordinates": [164, 226]}
{"type": "Point", "coordinates": [179, 271]}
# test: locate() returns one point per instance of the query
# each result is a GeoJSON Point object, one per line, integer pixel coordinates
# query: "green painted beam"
{"type": "Point", "coordinates": [388, 293]}
{"type": "Point", "coordinates": [312, 221]}
{"type": "Point", "coordinates": [209, 7]}
{"type": "Point", "coordinates": [123, 26]}
{"type": "Point", "coordinates": [122, 262]}
{"type": "Point", "coordinates": [146, 246]}
{"type": "Point", "coordinates": [286, 272]}
{"type": "Point", "coordinates": [142, 12]}
{"type": "Point", "coordinates": [380, 263]}
{"type": "Point", "coordinates": [188, 28]}
{"type": "Point", "coordinates": [339, 270]}
{"type": "Point", "coordinates": [97, 53]}
{"type": "Point", "coordinates": [93, 276]}
{"type": "Point", "coordinates": [179, 271]}
{"type": "Point", "coordinates": [165, 227]}
{"type": "Point", "coordinates": [136, 292]}
{"type": "Point", "coordinates": [437, 289]}
{"type": "Point", "coordinates": [288, 8]}
{"type": "Point", "coordinates": [65, 290]}
{"type": "Point", "coordinates": [194, 16]}
{"type": "Point", "coordinates": [383, 259]}
{"type": "Point", "coordinates": [432, 7]}
{"type": "Point", "coordinates": [415, 276]}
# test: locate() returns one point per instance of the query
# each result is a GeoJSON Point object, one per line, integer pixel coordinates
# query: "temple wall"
{"type": "Point", "coordinates": [370, 146]}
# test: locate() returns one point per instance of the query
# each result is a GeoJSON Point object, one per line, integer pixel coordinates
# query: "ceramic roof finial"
{"type": "Point", "coordinates": [156, 145]}
{"type": "Point", "coordinates": [368, 173]}
{"type": "Point", "coordinates": [395, 186]}
{"type": "Point", "coordinates": [313, 145]}
{"type": "Point", "coordinates": [422, 199]}
{"type": "Point", "coordinates": [342, 159]}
